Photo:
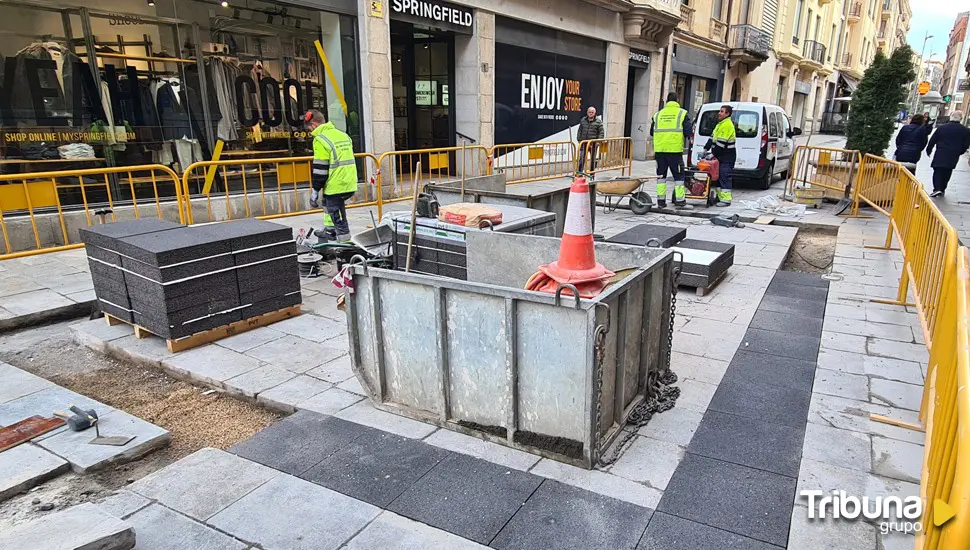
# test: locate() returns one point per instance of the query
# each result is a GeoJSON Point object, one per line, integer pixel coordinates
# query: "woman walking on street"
{"type": "Point", "coordinates": [910, 142]}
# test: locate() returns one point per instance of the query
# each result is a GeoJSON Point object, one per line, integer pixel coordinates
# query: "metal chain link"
{"type": "Point", "coordinates": [661, 399]}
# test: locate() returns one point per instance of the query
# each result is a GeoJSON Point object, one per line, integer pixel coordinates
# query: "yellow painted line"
{"type": "Point", "coordinates": [333, 79]}
{"type": "Point", "coordinates": [210, 174]}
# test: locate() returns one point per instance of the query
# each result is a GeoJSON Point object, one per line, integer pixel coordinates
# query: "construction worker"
{"type": "Point", "coordinates": [334, 174]}
{"type": "Point", "coordinates": [723, 145]}
{"type": "Point", "coordinates": [670, 127]}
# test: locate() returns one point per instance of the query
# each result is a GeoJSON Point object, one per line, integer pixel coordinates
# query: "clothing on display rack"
{"type": "Point", "coordinates": [65, 73]}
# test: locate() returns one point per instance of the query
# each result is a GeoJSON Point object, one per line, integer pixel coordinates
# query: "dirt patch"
{"type": "Point", "coordinates": [812, 251]}
{"type": "Point", "coordinates": [196, 417]}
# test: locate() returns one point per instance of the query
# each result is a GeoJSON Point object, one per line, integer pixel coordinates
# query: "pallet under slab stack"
{"type": "Point", "coordinates": [175, 281]}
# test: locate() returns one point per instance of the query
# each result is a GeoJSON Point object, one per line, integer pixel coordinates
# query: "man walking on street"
{"type": "Point", "coordinates": [669, 128]}
{"type": "Point", "coordinates": [590, 128]}
{"type": "Point", "coordinates": [334, 174]}
{"type": "Point", "coordinates": [722, 144]}
{"type": "Point", "coordinates": [950, 140]}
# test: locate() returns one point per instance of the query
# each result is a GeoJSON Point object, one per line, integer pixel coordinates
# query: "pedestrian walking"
{"type": "Point", "coordinates": [590, 128]}
{"type": "Point", "coordinates": [722, 145]}
{"type": "Point", "coordinates": [910, 142]}
{"type": "Point", "coordinates": [950, 140]}
{"type": "Point", "coordinates": [670, 128]}
{"type": "Point", "coordinates": [334, 174]}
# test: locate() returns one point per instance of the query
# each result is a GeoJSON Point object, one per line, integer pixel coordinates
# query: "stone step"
{"type": "Point", "coordinates": [82, 527]}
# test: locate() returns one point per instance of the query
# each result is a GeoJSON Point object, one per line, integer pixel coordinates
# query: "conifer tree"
{"type": "Point", "coordinates": [876, 101]}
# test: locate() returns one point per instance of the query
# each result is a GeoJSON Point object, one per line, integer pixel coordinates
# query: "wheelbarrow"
{"type": "Point", "coordinates": [613, 190]}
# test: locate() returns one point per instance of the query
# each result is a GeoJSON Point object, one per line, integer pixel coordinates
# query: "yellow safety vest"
{"type": "Point", "coordinates": [668, 129]}
{"type": "Point", "coordinates": [333, 158]}
{"type": "Point", "coordinates": [724, 135]}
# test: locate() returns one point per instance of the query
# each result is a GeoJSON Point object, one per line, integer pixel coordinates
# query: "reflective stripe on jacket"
{"type": "Point", "coordinates": [724, 141]}
{"type": "Point", "coordinates": [668, 129]}
{"type": "Point", "coordinates": [334, 165]}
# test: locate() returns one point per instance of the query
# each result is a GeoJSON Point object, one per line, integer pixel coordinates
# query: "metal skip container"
{"type": "Point", "coordinates": [556, 376]}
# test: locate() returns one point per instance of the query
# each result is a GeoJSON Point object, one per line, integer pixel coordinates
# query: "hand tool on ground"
{"type": "Point", "coordinates": [414, 216]}
{"type": "Point", "coordinates": [80, 420]}
{"type": "Point", "coordinates": [27, 429]}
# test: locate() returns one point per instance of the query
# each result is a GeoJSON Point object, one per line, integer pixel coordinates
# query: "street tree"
{"type": "Point", "coordinates": [876, 101]}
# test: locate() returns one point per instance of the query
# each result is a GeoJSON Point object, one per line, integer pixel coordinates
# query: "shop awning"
{"type": "Point", "coordinates": [850, 83]}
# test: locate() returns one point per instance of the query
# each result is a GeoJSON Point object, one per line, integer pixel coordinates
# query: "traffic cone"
{"type": "Point", "coordinates": [577, 259]}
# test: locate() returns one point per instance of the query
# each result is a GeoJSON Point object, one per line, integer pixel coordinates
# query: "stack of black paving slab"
{"type": "Point", "coordinates": [175, 281]}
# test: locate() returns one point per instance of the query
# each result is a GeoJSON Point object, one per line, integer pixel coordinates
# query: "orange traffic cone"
{"type": "Point", "coordinates": [577, 260]}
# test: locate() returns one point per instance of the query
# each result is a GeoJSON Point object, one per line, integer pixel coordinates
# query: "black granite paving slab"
{"type": "Point", "coordinates": [794, 306]}
{"type": "Point", "coordinates": [762, 368]}
{"type": "Point", "coordinates": [785, 344]}
{"type": "Point", "coordinates": [760, 401]}
{"type": "Point", "coordinates": [106, 235]}
{"type": "Point", "coordinates": [763, 445]}
{"type": "Point", "coordinates": [787, 322]}
{"type": "Point", "coordinates": [667, 532]}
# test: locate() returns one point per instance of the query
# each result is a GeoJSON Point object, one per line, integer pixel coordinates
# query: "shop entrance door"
{"type": "Point", "coordinates": [423, 62]}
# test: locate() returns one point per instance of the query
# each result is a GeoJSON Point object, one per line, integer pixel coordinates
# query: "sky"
{"type": "Point", "coordinates": [935, 17]}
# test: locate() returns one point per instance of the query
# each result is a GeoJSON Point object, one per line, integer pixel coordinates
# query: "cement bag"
{"type": "Point", "coordinates": [469, 214]}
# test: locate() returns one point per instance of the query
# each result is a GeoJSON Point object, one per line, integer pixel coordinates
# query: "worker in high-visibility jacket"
{"type": "Point", "coordinates": [334, 174]}
{"type": "Point", "coordinates": [670, 128]}
{"type": "Point", "coordinates": [723, 144]}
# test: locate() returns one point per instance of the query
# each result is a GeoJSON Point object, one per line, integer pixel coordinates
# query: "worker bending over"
{"type": "Point", "coordinates": [670, 127]}
{"type": "Point", "coordinates": [334, 174]}
{"type": "Point", "coordinates": [723, 145]}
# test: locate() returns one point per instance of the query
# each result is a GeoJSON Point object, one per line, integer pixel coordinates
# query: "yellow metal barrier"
{"type": "Point", "coordinates": [525, 162]}
{"type": "Point", "coordinates": [877, 183]}
{"type": "Point", "coordinates": [398, 170]}
{"type": "Point", "coordinates": [605, 154]}
{"type": "Point", "coordinates": [946, 458]}
{"type": "Point", "coordinates": [53, 202]}
{"type": "Point", "coordinates": [833, 170]}
{"type": "Point", "coordinates": [264, 188]}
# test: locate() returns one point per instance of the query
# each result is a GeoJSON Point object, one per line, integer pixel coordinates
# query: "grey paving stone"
{"type": "Point", "coordinates": [895, 350]}
{"type": "Point", "coordinates": [75, 447]}
{"type": "Point", "coordinates": [908, 372]}
{"type": "Point", "coordinates": [250, 339]}
{"type": "Point", "coordinates": [704, 369]}
{"type": "Point", "coordinates": [335, 371]}
{"type": "Point", "coordinates": [390, 530]}
{"type": "Point", "coordinates": [26, 466]}
{"type": "Point", "coordinates": [376, 467]}
{"type": "Point", "coordinates": [203, 483]}
{"type": "Point", "coordinates": [599, 482]}
{"type": "Point", "coordinates": [798, 278]}
{"type": "Point", "coordinates": [667, 532]}
{"type": "Point", "coordinates": [299, 441]}
{"type": "Point", "coordinates": [482, 497]}
{"type": "Point", "coordinates": [782, 344]}
{"type": "Point", "coordinates": [842, 384]}
{"type": "Point", "coordinates": [796, 291]}
{"type": "Point", "coordinates": [897, 459]}
{"type": "Point", "coordinates": [695, 395]}
{"type": "Point", "coordinates": [159, 528]}
{"type": "Point", "coordinates": [842, 361]}
{"type": "Point", "coordinates": [143, 351]}
{"type": "Point", "coordinates": [330, 401]}
{"type": "Point", "coordinates": [258, 380]}
{"type": "Point", "coordinates": [311, 326]}
{"type": "Point", "coordinates": [730, 438]}
{"type": "Point", "coordinates": [365, 413]}
{"type": "Point", "coordinates": [829, 534]}
{"type": "Point", "coordinates": [289, 394]}
{"type": "Point", "coordinates": [663, 458]}
{"type": "Point", "coordinates": [849, 414]}
{"type": "Point", "coordinates": [293, 353]}
{"type": "Point", "coordinates": [676, 425]}
{"type": "Point", "coordinates": [35, 301]}
{"type": "Point", "coordinates": [81, 527]}
{"type": "Point", "coordinates": [353, 385]}
{"type": "Point", "coordinates": [96, 333]}
{"type": "Point", "coordinates": [795, 306]}
{"type": "Point", "coordinates": [18, 383]}
{"type": "Point", "coordinates": [123, 504]}
{"type": "Point", "coordinates": [838, 447]}
{"type": "Point", "coordinates": [786, 322]}
{"type": "Point", "coordinates": [749, 502]}
{"type": "Point", "coordinates": [485, 450]}
{"type": "Point", "coordinates": [210, 364]}
{"type": "Point", "coordinates": [895, 394]}
{"type": "Point", "coordinates": [14, 284]}
{"type": "Point", "coordinates": [761, 401]}
{"type": "Point", "coordinates": [290, 513]}
{"type": "Point", "coordinates": [44, 403]}
{"type": "Point", "coordinates": [771, 369]}
{"type": "Point", "coordinates": [558, 515]}
{"type": "Point", "coordinates": [869, 328]}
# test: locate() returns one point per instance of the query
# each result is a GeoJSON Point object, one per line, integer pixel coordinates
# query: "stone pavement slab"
{"type": "Point", "coordinates": [245, 341]}
{"type": "Point", "coordinates": [749, 442]}
{"type": "Point", "coordinates": [365, 413]}
{"type": "Point", "coordinates": [148, 351]}
{"type": "Point", "coordinates": [75, 447]}
{"type": "Point", "coordinates": [485, 450]}
{"type": "Point", "coordinates": [335, 371]}
{"type": "Point", "coordinates": [44, 403]}
{"type": "Point", "coordinates": [760, 401]}
{"type": "Point", "coordinates": [786, 322]}
{"type": "Point", "coordinates": [676, 425]}
{"type": "Point", "coordinates": [897, 459]}
{"type": "Point", "coordinates": [123, 504]}
{"type": "Point", "coordinates": [573, 518]}
{"type": "Point", "coordinates": [837, 447]}
{"type": "Point", "coordinates": [667, 532]}
{"type": "Point", "coordinates": [829, 534]}
{"type": "Point", "coordinates": [159, 528]}
{"type": "Point", "coordinates": [330, 401]}
{"type": "Point", "coordinates": [600, 482]}
{"type": "Point", "coordinates": [290, 513]}
{"type": "Point", "coordinates": [390, 530]}
{"type": "Point", "coordinates": [17, 383]}
{"type": "Point", "coordinates": [26, 466]}
{"type": "Point", "coordinates": [663, 458]}
{"type": "Point", "coordinates": [312, 327]}
{"type": "Point", "coordinates": [482, 497]}
{"type": "Point", "coordinates": [82, 527]}
{"type": "Point", "coordinates": [203, 483]}
{"type": "Point", "coordinates": [895, 394]}
{"type": "Point", "coordinates": [842, 384]}
{"type": "Point", "coordinates": [791, 345]}
{"type": "Point", "coordinates": [774, 370]}
{"type": "Point", "coordinates": [96, 333]}
{"type": "Point", "coordinates": [376, 467]}
{"type": "Point", "coordinates": [251, 384]}
{"type": "Point", "coordinates": [793, 306]}
{"type": "Point", "coordinates": [716, 493]}
{"type": "Point", "coordinates": [211, 365]}
{"type": "Point", "coordinates": [286, 396]}
{"type": "Point", "coordinates": [37, 301]}
{"type": "Point", "coordinates": [297, 354]}
{"type": "Point", "coordinates": [299, 441]}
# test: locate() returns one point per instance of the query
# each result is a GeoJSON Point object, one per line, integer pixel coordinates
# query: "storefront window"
{"type": "Point", "coordinates": [170, 79]}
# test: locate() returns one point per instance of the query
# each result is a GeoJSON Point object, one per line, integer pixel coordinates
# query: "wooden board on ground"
{"type": "Point", "coordinates": [218, 333]}
{"type": "Point", "coordinates": [764, 220]}
{"type": "Point", "coordinates": [27, 429]}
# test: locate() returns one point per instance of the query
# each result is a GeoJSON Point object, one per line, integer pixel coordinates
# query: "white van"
{"type": "Point", "coordinates": [765, 139]}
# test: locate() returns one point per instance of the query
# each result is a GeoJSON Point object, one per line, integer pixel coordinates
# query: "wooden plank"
{"type": "Point", "coordinates": [198, 339]}
{"type": "Point", "coordinates": [764, 220]}
{"type": "Point", "coordinates": [112, 320]}
{"type": "Point", "coordinates": [141, 332]}
{"type": "Point", "coordinates": [27, 429]}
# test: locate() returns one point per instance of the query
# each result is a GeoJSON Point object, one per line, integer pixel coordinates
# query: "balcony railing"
{"type": "Point", "coordinates": [750, 38]}
{"type": "Point", "coordinates": [814, 51]}
{"type": "Point", "coordinates": [686, 18]}
{"type": "Point", "coordinates": [717, 30]}
{"type": "Point", "coordinates": [847, 59]}
{"type": "Point", "coordinates": [855, 10]}
{"type": "Point", "coordinates": [886, 5]}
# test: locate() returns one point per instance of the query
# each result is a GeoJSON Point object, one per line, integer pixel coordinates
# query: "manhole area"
{"type": "Point", "coordinates": [812, 251]}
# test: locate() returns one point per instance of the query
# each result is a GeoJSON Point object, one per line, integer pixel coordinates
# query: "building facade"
{"type": "Point", "coordinates": [956, 76]}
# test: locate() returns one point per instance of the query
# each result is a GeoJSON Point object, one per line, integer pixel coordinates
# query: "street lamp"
{"type": "Point", "coordinates": [922, 63]}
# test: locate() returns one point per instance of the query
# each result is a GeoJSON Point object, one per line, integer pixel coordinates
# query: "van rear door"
{"type": "Point", "coordinates": [747, 125]}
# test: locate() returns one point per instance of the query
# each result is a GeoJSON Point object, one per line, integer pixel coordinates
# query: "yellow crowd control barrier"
{"type": "Point", "coordinates": [525, 162]}
{"type": "Point", "coordinates": [264, 188]}
{"type": "Point", "coordinates": [877, 183]}
{"type": "Point", "coordinates": [399, 168]}
{"type": "Point", "coordinates": [833, 170]}
{"type": "Point", "coordinates": [602, 155]}
{"type": "Point", "coordinates": [42, 211]}
{"type": "Point", "coordinates": [946, 454]}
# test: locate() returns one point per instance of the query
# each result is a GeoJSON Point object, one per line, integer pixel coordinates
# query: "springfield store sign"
{"type": "Point", "coordinates": [435, 11]}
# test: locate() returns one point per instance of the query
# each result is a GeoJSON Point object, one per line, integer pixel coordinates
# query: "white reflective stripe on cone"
{"type": "Point", "coordinates": [577, 215]}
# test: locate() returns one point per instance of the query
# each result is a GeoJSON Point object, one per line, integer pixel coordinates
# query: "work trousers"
{"type": "Point", "coordinates": [941, 178]}
{"type": "Point", "coordinates": [335, 218]}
